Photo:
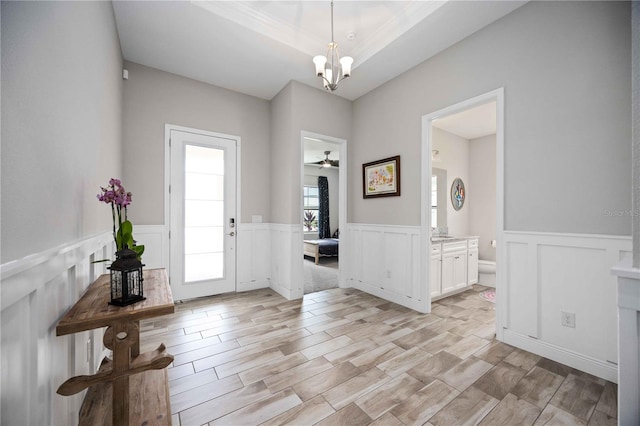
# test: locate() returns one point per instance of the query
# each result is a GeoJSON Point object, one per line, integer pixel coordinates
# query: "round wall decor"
{"type": "Point", "coordinates": [457, 194]}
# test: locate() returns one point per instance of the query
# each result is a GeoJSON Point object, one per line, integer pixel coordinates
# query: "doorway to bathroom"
{"type": "Point", "coordinates": [463, 205]}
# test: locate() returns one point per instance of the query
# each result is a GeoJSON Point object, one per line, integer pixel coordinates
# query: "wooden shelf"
{"type": "Point", "coordinates": [93, 311]}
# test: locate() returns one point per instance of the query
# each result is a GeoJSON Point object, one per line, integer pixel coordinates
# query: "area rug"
{"type": "Point", "coordinates": [489, 295]}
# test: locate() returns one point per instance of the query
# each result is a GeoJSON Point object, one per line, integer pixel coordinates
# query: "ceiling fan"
{"type": "Point", "coordinates": [328, 163]}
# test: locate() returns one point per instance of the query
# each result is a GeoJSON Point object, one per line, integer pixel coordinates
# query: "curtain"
{"type": "Point", "coordinates": [324, 230]}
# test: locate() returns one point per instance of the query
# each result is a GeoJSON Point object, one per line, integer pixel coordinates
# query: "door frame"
{"type": "Point", "coordinates": [298, 251]}
{"type": "Point", "coordinates": [167, 190]}
{"type": "Point", "coordinates": [496, 95]}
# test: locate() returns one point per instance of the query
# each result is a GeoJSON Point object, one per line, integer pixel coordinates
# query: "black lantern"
{"type": "Point", "coordinates": [126, 278]}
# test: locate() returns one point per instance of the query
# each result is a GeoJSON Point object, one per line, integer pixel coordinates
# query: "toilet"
{"type": "Point", "coordinates": [487, 273]}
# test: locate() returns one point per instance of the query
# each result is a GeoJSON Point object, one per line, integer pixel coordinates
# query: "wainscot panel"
{"type": "Point", "coordinates": [385, 261]}
{"type": "Point", "coordinates": [286, 260]}
{"type": "Point", "coordinates": [156, 245]}
{"type": "Point", "coordinates": [36, 292]}
{"type": "Point", "coordinates": [550, 274]}
{"type": "Point", "coordinates": [253, 256]}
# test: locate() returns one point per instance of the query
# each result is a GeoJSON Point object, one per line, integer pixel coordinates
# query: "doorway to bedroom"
{"type": "Point", "coordinates": [321, 211]}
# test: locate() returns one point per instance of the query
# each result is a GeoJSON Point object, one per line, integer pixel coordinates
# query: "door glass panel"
{"type": "Point", "coordinates": [205, 266]}
{"type": "Point", "coordinates": [203, 213]}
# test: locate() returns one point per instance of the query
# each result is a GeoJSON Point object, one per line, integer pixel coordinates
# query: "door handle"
{"type": "Point", "coordinates": [231, 234]}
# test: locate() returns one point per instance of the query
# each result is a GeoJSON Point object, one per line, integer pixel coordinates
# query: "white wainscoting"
{"type": "Point", "coordinates": [384, 260]}
{"type": "Point", "coordinates": [253, 251]}
{"type": "Point", "coordinates": [156, 245]}
{"type": "Point", "coordinates": [546, 274]}
{"type": "Point", "coordinates": [36, 292]}
{"type": "Point", "coordinates": [286, 260]}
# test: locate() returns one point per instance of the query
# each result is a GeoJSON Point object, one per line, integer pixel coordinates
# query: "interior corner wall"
{"type": "Point", "coordinates": [481, 194]}
{"type": "Point", "coordinates": [61, 122]}
{"type": "Point", "coordinates": [565, 68]}
{"type": "Point", "coordinates": [282, 155]}
{"type": "Point", "coordinates": [153, 98]}
{"type": "Point", "coordinates": [296, 108]}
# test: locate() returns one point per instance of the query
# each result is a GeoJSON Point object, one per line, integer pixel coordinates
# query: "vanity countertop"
{"type": "Point", "coordinates": [452, 238]}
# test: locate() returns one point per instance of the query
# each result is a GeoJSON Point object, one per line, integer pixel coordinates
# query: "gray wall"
{"type": "Point", "coordinates": [61, 122]}
{"type": "Point", "coordinates": [153, 98]}
{"type": "Point", "coordinates": [565, 67]}
{"type": "Point", "coordinates": [481, 193]}
{"type": "Point", "coordinates": [283, 153]}
{"type": "Point", "coordinates": [454, 158]}
{"type": "Point", "coordinates": [296, 108]}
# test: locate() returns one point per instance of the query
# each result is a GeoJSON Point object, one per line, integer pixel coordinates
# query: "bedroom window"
{"type": "Point", "coordinates": [311, 204]}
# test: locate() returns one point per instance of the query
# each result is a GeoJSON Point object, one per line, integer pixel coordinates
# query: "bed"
{"type": "Point", "coordinates": [324, 247]}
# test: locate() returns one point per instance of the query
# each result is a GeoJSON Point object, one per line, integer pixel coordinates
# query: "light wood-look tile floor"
{"type": "Point", "coordinates": [344, 357]}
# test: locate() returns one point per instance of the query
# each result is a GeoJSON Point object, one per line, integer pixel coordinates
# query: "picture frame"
{"type": "Point", "coordinates": [381, 178]}
{"type": "Point", "coordinates": [458, 194]}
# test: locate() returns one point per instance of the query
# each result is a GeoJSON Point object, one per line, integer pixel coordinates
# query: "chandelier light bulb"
{"type": "Point", "coordinates": [345, 63]}
{"type": "Point", "coordinates": [319, 61]}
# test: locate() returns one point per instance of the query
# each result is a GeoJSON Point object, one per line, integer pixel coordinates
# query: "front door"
{"type": "Point", "coordinates": [202, 214]}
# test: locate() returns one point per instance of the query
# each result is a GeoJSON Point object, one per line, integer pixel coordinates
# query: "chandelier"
{"type": "Point", "coordinates": [332, 68]}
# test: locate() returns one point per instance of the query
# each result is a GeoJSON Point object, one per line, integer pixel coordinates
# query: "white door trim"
{"type": "Point", "coordinates": [342, 201]}
{"type": "Point", "coordinates": [496, 95]}
{"type": "Point", "coordinates": [167, 180]}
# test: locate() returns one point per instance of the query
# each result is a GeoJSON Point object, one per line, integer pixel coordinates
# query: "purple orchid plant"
{"type": "Point", "coordinates": [115, 195]}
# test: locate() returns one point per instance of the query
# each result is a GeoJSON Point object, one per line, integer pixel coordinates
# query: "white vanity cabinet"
{"type": "Point", "coordinates": [472, 262]}
{"type": "Point", "coordinates": [436, 269]}
{"type": "Point", "coordinates": [454, 266]}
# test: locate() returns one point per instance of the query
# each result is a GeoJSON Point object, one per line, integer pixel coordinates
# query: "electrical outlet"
{"type": "Point", "coordinates": [568, 319]}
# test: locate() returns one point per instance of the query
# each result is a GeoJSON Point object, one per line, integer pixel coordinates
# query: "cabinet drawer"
{"type": "Point", "coordinates": [473, 243]}
{"type": "Point", "coordinates": [436, 248]}
{"type": "Point", "coordinates": [454, 246]}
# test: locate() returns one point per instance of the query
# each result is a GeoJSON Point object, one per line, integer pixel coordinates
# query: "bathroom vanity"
{"type": "Point", "coordinates": [454, 264]}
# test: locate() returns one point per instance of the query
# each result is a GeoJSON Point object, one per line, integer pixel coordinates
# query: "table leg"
{"type": "Point", "coordinates": [135, 340]}
{"type": "Point", "coordinates": [120, 401]}
{"type": "Point", "coordinates": [121, 337]}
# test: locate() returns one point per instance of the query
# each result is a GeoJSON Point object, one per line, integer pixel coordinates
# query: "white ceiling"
{"type": "Point", "coordinates": [472, 123]}
{"type": "Point", "coordinates": [257, 47]}
{"type": "Point", "coordinates": [314, 150]}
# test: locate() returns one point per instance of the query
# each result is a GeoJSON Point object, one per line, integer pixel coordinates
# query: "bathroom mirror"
{"type": "Point", "coordinates": [439, 193]}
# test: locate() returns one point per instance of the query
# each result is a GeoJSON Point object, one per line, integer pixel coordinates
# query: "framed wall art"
{"type": "Point", "coordinates": [381, 178]}
{"type": "Point", "coordinates": [458, 194]}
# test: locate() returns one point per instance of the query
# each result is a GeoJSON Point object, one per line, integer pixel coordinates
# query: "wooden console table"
{"type": "Point", "coordinates": [109, 389]}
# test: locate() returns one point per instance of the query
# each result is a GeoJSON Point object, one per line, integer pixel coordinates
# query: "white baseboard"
{"type": "Point", "coordinates": [564, 356]}
{"type": "Point", "coordinates": [387, 295]}
{"type": "Point", "coordinates": [252, 285]}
